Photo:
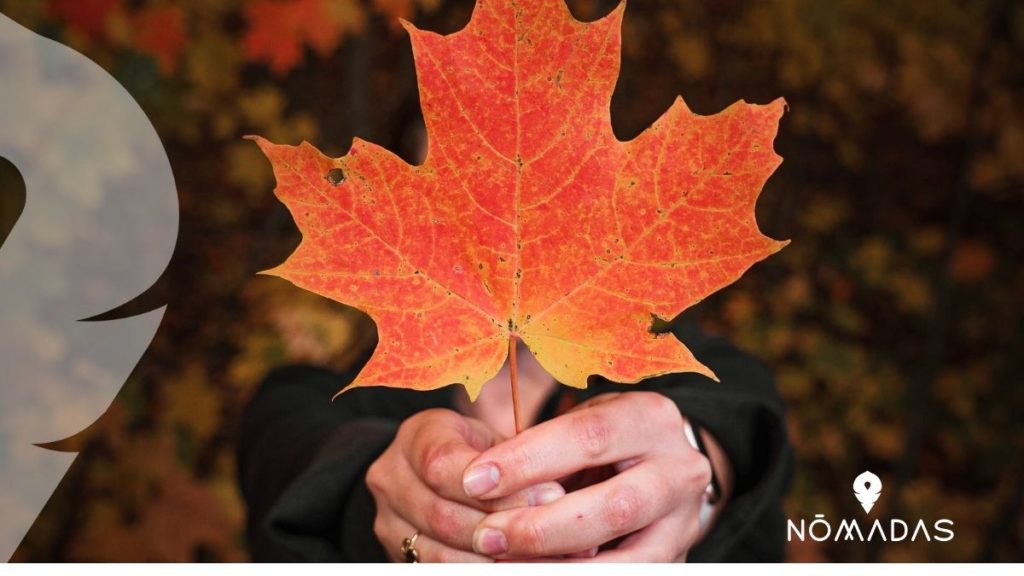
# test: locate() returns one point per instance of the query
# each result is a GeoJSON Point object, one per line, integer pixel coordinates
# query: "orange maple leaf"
{"type": "Point", "coordinates": [280, 30]}
{"type": "Point", "coordinates": [529, 219]}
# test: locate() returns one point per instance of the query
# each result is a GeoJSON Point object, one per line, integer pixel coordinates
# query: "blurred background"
{"type": "Point", "coordinates": [893, 320]}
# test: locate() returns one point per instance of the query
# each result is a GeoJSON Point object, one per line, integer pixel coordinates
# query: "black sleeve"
{"type": "Point", "coordinates": [746, 415]}
{"type": "Point", "coordinates": [302, 462]}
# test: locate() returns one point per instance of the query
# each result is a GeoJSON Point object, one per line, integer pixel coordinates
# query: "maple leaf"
{"type": "Point", "coordinates": [528, 218]}
{"type": "Point", "coordinates": [279, 30]}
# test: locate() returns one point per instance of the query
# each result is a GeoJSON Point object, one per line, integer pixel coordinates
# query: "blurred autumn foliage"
{"type": "Point", "coordinates": [893, 321]}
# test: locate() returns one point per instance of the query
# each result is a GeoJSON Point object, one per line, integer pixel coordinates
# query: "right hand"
{"type": "Point", "coordinates": [417, 485]}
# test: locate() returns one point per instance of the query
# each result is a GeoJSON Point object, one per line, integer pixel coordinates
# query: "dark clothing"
{"type": "Point", "coordinates": [303, 459]}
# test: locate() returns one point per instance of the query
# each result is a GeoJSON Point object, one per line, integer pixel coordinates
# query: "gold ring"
{"type": "Point", "coordinates": [409, 548]}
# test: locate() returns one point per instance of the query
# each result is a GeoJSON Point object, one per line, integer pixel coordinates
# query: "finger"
{"type": "Point", "coordinates": [583, 519]}
{"type": "Point", "coordinates": [446, 445]}
{"type": "Point", "coordinates": [444, 520]}
{"type": "Point", "coordinates": [666, 540]}
{"type": "Point", "coordinates": [441, 449]}
{"type": "Point", "coordinates": [429, 550]}
{"type": "Point", "coordinates": [617, 429]}
{"type": "Point", "coordinates": [536, 495]}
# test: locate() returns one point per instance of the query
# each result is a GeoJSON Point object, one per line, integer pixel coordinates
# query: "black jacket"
{"type": "Point", "coordinates": [303, 459]}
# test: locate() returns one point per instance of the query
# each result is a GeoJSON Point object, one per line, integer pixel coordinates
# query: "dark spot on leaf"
{"type": "Point", "coordinates": [335, 176]}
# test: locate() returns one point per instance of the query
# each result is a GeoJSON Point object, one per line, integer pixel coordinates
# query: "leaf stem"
{"type": "Point", "coordinates": [514, 381]}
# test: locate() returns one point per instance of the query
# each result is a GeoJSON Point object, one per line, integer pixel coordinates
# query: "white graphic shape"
{"type": "Point", "coordinates": [98, 228]}
{"type": "Point", "coordinates": [867, 488]}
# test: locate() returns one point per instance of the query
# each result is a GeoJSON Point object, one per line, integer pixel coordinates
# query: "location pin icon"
{"type": "Point", "coordinates": [867, 488]}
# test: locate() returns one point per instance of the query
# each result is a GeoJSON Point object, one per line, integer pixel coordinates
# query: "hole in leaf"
{"type": "Point", "coordinates": [335, 176]}
{"type": "Point", "coordinates": [660, 325]}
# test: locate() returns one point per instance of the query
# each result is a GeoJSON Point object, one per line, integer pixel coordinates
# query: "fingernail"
{"type": "Point", "coordinates": [583, 554]}
{"type": "Point", "coordinates": [480, 479]}
{"type": "Point", "coordinates": [545, 495]}
{"type": "Point", "coordinates": [490, 541]}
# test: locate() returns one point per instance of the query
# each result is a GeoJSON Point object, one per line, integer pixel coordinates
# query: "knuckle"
{"type": "Point", "coordinates": [379, 529]}
{"type": "Point", "coordinates": [518, 463]}
{"type": "Point", "coordinates": [444, 417]}
{"type": "Point", "coordinates": [409, 426]}
{"type": "Point", "coordinates": [373, 481]}
{"type": "Point", "coordinates": [663, 410]}
{"type": "Point", "coordinates": [622, 509]}
{"type": "Point", "coordinates": [428, 416]}
{"type": "Point", "coordinates": [526, 536]}
{"type": "Point", "coordinates": [592, 433]}
{"type": "Point", "coordinates": [375, 477]}
{"type": "Point", "coordinates": [702, 471]}
{"type": "Point", "coordinates": [442, 520]}
{"type": "Point", "coordinates": [437, 464]}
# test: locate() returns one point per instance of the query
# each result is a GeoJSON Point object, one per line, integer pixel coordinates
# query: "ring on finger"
{"type": "Point", "coordinates": [408, 549]}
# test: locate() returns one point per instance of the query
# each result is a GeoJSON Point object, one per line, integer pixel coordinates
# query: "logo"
{"type": "Point", "coordinates": [98, 227]}
{"type": "Point", "coordinates": [867, 488]}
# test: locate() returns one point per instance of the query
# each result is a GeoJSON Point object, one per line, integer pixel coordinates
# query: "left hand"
{"type": "Point", "coordinates": [653, 498]}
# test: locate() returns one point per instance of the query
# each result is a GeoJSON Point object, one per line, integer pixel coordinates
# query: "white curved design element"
{"type": "Point", "coordinates": [98, 228]}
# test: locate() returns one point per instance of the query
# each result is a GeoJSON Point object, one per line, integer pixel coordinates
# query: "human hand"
{"type": "Point", "coordinates": [417, 486]}
{"type": "Point", "coordinates": [653, 497]}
